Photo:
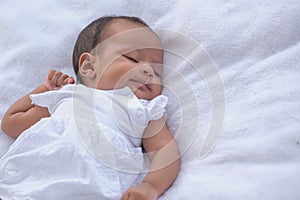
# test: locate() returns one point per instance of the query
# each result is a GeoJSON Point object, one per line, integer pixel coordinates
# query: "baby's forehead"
{"type": "Point", "coordinates": [129, 32]}
{"type": "Point", "coordinates": [116, 26]}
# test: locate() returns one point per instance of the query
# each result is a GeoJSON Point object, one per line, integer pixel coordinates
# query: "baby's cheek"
{"type": "Point", "coordinates": [157, 88]}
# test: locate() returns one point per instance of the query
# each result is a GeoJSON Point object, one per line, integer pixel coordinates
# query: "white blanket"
{"type": "Point", "coordinates": [254, 45]}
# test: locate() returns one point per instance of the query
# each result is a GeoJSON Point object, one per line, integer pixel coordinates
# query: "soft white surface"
{"type": "Point", "coordinates": [254, 44]}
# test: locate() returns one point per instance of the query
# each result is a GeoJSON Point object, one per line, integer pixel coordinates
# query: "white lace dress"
{"type": "Point", "coordinates": [90, 147]}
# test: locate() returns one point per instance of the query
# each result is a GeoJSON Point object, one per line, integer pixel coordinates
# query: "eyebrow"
{"type": "Point", "coordinates": [127, 48]}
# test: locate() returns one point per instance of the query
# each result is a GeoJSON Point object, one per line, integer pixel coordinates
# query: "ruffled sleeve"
{"type": "Point", "coordinates": [156, 107]}
{"type": "Point", "coordinates": [140, 113]}
{"type": "Point", "coordinates": [52, 99]}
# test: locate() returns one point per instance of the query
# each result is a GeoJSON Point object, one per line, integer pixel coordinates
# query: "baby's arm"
{"type": "Point", "coordinates": [165, 163]}
{"type": "Point", "coordinates": [22, 114]}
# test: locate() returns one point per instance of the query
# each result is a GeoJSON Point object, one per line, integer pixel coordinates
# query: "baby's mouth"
{"type": "Point", "coordinates": [142, 85]}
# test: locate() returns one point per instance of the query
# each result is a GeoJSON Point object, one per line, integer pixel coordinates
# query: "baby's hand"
{"type": "Point", "coordinates": [144, 191]}
{"type": "Point", "coordinates": [55, 80]}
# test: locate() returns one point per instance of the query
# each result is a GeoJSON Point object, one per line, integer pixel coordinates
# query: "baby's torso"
{"type": "Point", "coordinates": [118, 109]}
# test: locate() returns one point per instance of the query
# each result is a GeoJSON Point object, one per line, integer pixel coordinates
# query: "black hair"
{"type": "Point", "coordinates": [90, 36]}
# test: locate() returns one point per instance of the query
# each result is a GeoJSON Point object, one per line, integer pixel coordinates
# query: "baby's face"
{"type": "Point", "coordinates": [130, 55]}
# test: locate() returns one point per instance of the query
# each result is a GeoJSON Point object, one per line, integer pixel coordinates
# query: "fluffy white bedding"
{"type": "Point", "coordinates": [250, 54]}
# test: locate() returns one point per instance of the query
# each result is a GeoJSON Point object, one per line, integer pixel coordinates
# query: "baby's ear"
{"type": "Point", "coordinates": [86, 66]}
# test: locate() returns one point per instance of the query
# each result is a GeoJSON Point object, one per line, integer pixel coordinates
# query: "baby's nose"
{"type": "Point", "coordinates": [147, 70]}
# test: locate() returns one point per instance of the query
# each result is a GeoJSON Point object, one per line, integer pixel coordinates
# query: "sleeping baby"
{"type": "Point", "coordinates": [104, 137]}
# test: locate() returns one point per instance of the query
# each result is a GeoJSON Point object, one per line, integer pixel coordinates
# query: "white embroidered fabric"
{"type": "Point", "coordinates": [90, 147]}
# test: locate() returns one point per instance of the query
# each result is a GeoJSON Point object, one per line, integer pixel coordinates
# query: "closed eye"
{"type": "Point", "coordinates": [131, 59]}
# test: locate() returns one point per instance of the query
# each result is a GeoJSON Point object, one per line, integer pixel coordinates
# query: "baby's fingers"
{"type": "Point", "coordinates": [49, 80]}
{"type": "Point", "coordinates": [56, 79]}
{"type": "Point", "coordinates": [61, 81]}
{"type": "Point", "coordinates": [50, 74]}
{"type": "Point", "coordinates": [69, 80]}
{"type": "Point", "coordinates": [66, 80]}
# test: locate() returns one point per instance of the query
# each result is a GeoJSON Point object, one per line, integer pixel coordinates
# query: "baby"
{"type": "Point", "coordinates": [83, 141]}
